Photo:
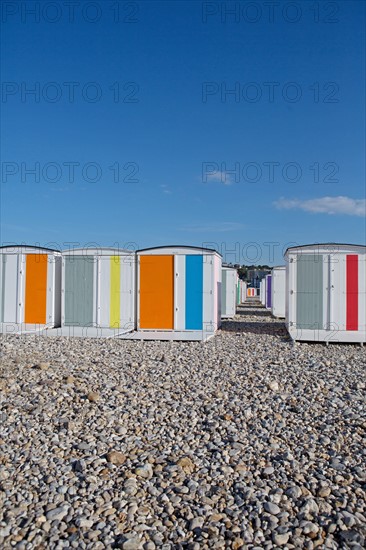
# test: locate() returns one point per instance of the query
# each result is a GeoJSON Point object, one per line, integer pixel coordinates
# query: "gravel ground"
{"type": "Point", "coordinates": [245, 441]}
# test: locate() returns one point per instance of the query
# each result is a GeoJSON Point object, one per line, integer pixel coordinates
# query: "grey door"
{"type": "Point", "coordinates": [223, 293]}
{"type": "Point", "coordinates": [79, 279]}
{"type": "Point", "coordinates": [309, 302]}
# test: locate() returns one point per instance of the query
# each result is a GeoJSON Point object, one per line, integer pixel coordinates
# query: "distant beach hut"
{"type": "Point", "coordinates": [326, 292]}
{"type": "Point", "coordinates": [179, 292]}
{"type": "Point", "coordinates": [268, 303]}
{"type": "Point", "coordinates": [30, 293]}
{"type": "Point", "coordinates": [243, 292]}
{"type": "Point", "coordinates": [262, 291]}
{"type": "Point", "coordinates": [251, 292]}
{"type": "Point", "coordinates": [278, 299]}
{"type": "Point", "coordinates": [229, 285]}
{"type": "Point", "coordinates": [238, 292]}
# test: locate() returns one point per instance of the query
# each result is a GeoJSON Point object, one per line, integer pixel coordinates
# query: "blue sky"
{"type": "Point", "coordinates": [280, 159]}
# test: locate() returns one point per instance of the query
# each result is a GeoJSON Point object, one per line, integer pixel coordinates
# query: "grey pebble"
{"type": "Point", "coordinates": [57, 513]}
{"type": "Point", "coordinates": [271, 508]}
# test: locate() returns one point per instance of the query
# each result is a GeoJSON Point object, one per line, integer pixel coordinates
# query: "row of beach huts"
{"type": "Point", "coordinates": [178, 292]}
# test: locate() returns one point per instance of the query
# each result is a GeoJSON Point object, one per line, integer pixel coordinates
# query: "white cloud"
{"type": "Point", "coordinates": [165, 189]}
{"type": "Point", "coordinates": [222, 177]}
{"type": "Point", "coordinates": [213, 227]}
{"type": "Point", "coordinates": [326, 205]}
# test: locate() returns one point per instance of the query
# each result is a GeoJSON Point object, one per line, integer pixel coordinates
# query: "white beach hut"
{"type": "Point", "coordinates": [98, 291]}
{"type": "Point", "coordinates": [179, 293]}
{"type": "Point", "coordinates": [252, 292]}
{"type": "Point", "coordinates": [243, 293]}
{"type": "Point", "coordinates": [326, 292]}
{"type": "Point", "coordinates": [30, 293]}
{"type": "Point", "coordinates": [279, 291]}
{"type": "Point", "coordinates": [263, 291]}
{"type": "Point", "coordinates": [229, 285]}
{"type": "Point", "coordinates": [268, 302]}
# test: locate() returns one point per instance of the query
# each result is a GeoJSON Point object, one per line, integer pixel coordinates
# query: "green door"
{"type": "Point", "coordinates": [79, 279]}
{"type": "Point", "coordinates": [309, 301]}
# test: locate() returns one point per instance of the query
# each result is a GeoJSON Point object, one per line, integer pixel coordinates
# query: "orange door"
{"type": "Point", "coordinates": [157, 292]}
{"type": "Point", "coordinates": [35, 288]}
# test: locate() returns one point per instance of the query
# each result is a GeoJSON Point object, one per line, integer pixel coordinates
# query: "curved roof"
{"type": "Point", "coordinates": [179, 246]}
{"type": "Point", "coordinates": [100, 251]}
{"type": "Point", "coordinates": [26, 248]}
{"type": "Point", "coordinates": [325, 245]}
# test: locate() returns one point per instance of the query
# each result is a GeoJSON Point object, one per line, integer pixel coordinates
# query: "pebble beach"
{"type": "Point", "coordinates": [247, 441]}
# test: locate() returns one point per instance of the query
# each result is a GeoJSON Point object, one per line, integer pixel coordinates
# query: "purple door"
{"type": "Point", "coordinates": [269, 291]}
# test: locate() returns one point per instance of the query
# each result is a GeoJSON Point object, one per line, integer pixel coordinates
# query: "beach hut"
{"type": "Point", "coordinates": [30, 293]}
{"type": "Point", "coordinates": [278, 299]}
{"type": "Point", "coordinates": [179, 293]}
{"type": "Point", "coordinates": [243, 293]}
{"type": "Point", "coordinates": [229, 286]}
{"type": "Point", "coordinates": [326, 292]}
{"type": "Point", "coordinates": [263, 295]}
{"type": "Point", "coordinates": [251, 292]}
{"type": "Point", "coordinates": [98, 291]}
{"type": "Point", "coordinates": [262, 291]}
{"type": "Point", "coordinates": [238, 292]}
{"type": "Point", "coordinates": [268, 303]}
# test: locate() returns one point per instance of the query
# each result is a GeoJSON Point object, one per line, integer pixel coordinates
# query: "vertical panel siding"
{"type": "Point", "coordinates": [210, 296]}
{"type": "Point", "coordinates": [2, 286]}
{"type": "Point", "coordinates": [36, 289]}
{"type": "Point", "coordinates": [156, 292]}
{"type": "Point", "coordinates": [217, 289]}
{"type": "Point", "coordinates": [278, 292]}
{"type": "Point", "coordinates": [309, 284]}
{"type": "Point", "coordinates": [180, 292]}
{"type": "Point", "coordinates": [10, 281]}
{"type": "Point", "coordinates": [102, 311]}
{"type": "Point", "coordinates": [115, 291]}
{"type": "Point", "coordinates": [57, 295]}
{"type": "Point", "coordinates": [352, 292]}
{"type": "Point", "coordinates": [334, 316]}
{"type": "Point", "coordinates": [194, 292]}
{"type": "Point", "coordinates": [230, 305]}
{"type": "Point", "coordinates": [79, 281]}
{"type": "Point", "coordinates": [223, 291]}
{"type": "Point", "coordinates": [264, 292]}
{"type": "Point", "coordinates": [128, 292]}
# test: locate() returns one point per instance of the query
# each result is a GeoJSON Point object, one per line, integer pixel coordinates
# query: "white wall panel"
{"type": "Point", "coordinates": [179, 292]}
{"type": "Point", "coordinates": [128, 297]}
{"type": "Point", "coordinates": [104, 294]}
